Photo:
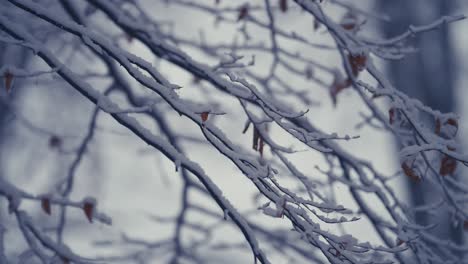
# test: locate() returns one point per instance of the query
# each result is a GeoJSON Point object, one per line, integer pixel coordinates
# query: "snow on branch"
{"type": "Point", "coordinates": [266, 66]}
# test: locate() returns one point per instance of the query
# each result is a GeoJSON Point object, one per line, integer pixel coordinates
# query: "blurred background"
{"type": "Point", "coordinates": [43, 121]}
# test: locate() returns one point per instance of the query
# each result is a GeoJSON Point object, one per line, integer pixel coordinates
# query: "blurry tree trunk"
{"type": "Point", "coordinates": [427, 75]}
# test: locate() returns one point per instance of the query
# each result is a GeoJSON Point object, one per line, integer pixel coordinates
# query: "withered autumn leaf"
{"type": "Point", "coordinates": [65, 260]}
{"type": "Point", "coordinates": [410, 172]}
{"type": "Point", "coordinates": [448, 165]}
{"type": "Point", "coordinates": [283, 4]}
{"type": "Point", "coordinates": [8, 76]}
{"type": "Point", "coordinates": [337, 87]}
{"type": "Point", "coordinates": [204, 116]}
{"type": "Point", "coordinates": [349, 21]}
{"type": "Point", "coordinates": [243, 12]}
{"type": "Point", "coordinates": [88, 208]}
{"type": "Point", "coordinates": [357, 62]}
{"type": "Point", "coordinates": [45, 204]}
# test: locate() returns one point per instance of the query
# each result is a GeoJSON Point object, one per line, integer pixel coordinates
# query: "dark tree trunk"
{"type": "Point", "coordinates": [427, 75]}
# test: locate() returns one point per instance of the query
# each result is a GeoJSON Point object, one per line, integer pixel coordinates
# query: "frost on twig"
{"type": "Point", "coordinates": [252, 102]}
